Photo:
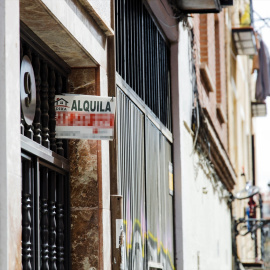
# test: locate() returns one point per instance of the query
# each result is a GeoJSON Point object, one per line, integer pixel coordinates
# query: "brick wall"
{"type": "Point", "coordinates": [209, 34]}
{"type": "Point", "coordinates": [219, 54]}
{"type": "Point", "coordinates": [221, 89]}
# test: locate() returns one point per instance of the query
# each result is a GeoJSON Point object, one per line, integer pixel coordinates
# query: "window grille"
{"type": "Point", "coordinates": [143, 57]}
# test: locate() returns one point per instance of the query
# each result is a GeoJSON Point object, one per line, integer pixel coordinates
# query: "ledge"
{"type": "Point", "coordinates": [188, 128]}
{"type": "Point", "coordinates": [218, 156]}
{"type": "Point", "coordinates": [98, 19]}
{"type": "Point", "coordinates": [45, 154]}
{"type": "Point", "coordinates": [66, 31]}
{"type": "Point", "coordinates": [254, 266]}
{"type": "Point", "coordinates": [206, 76]}
{"type": "Point", "coordinates": [221, 115]}
{"type": "Point", "coordinates": [165, 17]}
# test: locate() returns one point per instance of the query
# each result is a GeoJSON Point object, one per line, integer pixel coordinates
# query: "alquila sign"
{"type": "Point", "coordinates": [86, 106]}
{"type": "Point", "coordinates": [77, 116]}
{"type": "Point", "coordinates": [84, 117]}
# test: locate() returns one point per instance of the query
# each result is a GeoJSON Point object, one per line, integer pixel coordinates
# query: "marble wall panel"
{"type": "Point", "coordinates": [85, 239]}
{"type": "Point", "coordinates": [84, 185]}
{"type": "Point", "coordinates": [83, 173]}
{"type": "Point", "coordinates": [82, 81]}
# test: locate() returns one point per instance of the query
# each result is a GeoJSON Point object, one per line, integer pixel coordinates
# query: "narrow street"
{"type": "Point", "coordinates": [135, 134]}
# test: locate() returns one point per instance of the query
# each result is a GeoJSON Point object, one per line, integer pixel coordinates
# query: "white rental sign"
{"type": "Point", "coordinates": [84, 117]}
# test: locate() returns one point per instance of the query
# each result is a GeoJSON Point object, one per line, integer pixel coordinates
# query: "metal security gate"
{"type": "Point", "coordinates": [44, 215]}
{"type": "Point", "coordinates": [131, 174]}
{"type": "Point", "coordinates": [144, 158]}
{"type": "Point", "coordinates": [45, 181]}
{"type": "Point", "coordinates": [160, 249]}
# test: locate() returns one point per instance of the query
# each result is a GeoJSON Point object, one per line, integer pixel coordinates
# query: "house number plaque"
{"type": "Point", "coordinates": [28, 90]}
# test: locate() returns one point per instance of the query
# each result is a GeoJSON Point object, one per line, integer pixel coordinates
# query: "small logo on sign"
{"type": "Point", "coordinates": [61, 104]}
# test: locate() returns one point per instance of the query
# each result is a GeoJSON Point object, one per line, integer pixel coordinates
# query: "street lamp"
{"type": "Point", "coordinates": [248, 192]}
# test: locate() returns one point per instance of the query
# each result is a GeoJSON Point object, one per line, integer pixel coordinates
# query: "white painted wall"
{"type": "Point", "coordinates": [90, 38]}
{"type": "Point", "coordinates": [10, 148]}
{"type": "Point", "coordinates": [202, 219]}
{"type": "Point", "coordinates": [103, 8]}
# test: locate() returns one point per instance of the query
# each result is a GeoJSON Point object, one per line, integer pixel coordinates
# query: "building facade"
{"type": "Point", "coordinates": [63, 220]}
{"type": "Point", "coordinates": [158, 195]}
{"type": "Point", "coordinates": [207, 175]}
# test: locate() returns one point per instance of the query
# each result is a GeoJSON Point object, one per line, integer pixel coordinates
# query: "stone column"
{"type": "Point", "coordinates": [10, 158]}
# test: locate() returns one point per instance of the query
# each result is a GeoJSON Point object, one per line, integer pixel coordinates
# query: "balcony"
{"type": "Point", "coordinates": [243, 34]}
{"type": "Point", "coordinates": [244, 40]}
{"type": "Point", "coordinates": [258, 109]}
{"type": "Point", "coordinates": [202, 6]}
